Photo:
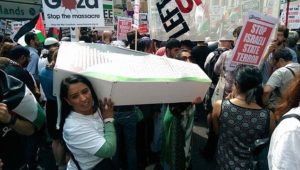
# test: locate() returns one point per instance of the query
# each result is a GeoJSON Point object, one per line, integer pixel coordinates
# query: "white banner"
{"type": "Point", "coordinates": [70, 13]}
{"type": "Point", "coordinates": [197, 19]}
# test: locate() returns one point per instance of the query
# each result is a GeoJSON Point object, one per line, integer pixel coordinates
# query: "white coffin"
{"type": "Point", "coordinates": [130, 77]}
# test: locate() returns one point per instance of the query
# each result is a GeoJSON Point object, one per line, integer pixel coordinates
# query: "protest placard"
{"type": "Point", "coordinates": [197, 19]}
{"type": "Point", "coordinates": [294, 15]}
{"type": "Point", "coordinates": [136, 14]}
{"type": "Point", "coordinates": [123, 27]}
{"type": "Point", "coordinates": [70, 13]}
{"type": "Point", "coordinates": [130, 77]}
{"type": "Point", "coordinates": [143, 27]}
{"type": "Point", "coordinates": [253, 39]}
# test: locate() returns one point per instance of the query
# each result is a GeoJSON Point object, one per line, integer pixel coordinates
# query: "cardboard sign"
{"type": "Point", "coordinates": [253, 39]}
{"type": "Point", "coordinates": [294, 15]}
{"type": "Point", "coordinates": [197, 19]}
{"type": "Point", "coordinates": [136, 15]}
{"type": "Point", "coordinates": [70, 13]}
{"type": "Point", "coordinates": [143, 27]}
{"type": "Point", "coordinates": [130, 77]}
{"type": "Point", "coordinates": [123, 27]}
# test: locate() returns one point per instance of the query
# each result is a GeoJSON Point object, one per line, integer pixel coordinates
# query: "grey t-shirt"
{"type": "Point", "coordinates": [280, 80]}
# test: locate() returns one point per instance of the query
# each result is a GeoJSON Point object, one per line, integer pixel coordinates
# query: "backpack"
{"type": "Point", "coordinates": [209, 67]}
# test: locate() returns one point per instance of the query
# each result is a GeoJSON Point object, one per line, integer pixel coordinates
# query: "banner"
{"type": "Point", "coordinates": [108, 17]}
{"type": "Point", "coordinates": [16, 25]}
{"type": "Point", "coordinates": [70, 13]}
{"type": "Point", "coordinates": [143, 27]}
{"type": "Point", "coordinates": [253, 39]}
{"type": "Point", "coordinates": [294, 15]}
{"type": "Point", "coordinates": [124, 26]}
{"type": "Point", "coordinates": [197, 19]}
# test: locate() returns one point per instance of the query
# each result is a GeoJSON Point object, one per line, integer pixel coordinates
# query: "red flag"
{"type": "Point", "coordinates": [40, 25]}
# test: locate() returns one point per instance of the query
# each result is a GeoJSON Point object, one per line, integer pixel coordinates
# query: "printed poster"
{"type": "Point", "coordinates": [294, 15]}
{"type": "Point", "coordinates": [253, 39]}
{"type": "Point", "coordinates": [124, 26]}
{"type": "Point", "coordinates": [136, 15]}
{"type": "Point", "coordinates": [143, 27]}
{"type": "Point", "coordinates": [72, 13]}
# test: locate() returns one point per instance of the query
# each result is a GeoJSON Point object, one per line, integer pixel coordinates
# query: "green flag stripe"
{"type": "Point", "coordinates": [130, 79]}
{"type": "Point", "coordinates": [41, 117]}
{"type": "Point", "coordinates": [105, 6]}
{"type": "Point", "coordinates": [41, 37]}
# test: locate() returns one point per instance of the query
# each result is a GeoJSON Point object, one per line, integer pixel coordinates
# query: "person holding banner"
{"type": "Point", "coordinates": [278, 43]}
{"type": "Point", "coordinates": [88, 128]}
{"type": "Point", "coordinates": [284, 145]}
{"type": "Point", "coordinates": [178, 125]}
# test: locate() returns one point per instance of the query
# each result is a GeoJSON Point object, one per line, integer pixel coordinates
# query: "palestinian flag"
{"type": "Point", "coordinates": [20, 100]}
{"type": "Point", "coordinates": [54, 32]}
{"type": "Point", "coordinates": [36, 25]}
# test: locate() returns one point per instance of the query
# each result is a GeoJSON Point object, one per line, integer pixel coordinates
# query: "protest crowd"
{"type": "Point", "coordinates": [252, 112]}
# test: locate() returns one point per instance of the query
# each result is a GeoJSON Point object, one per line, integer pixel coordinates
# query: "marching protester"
{"type": "Point", "coordinates": [285, 71]}
{"type": "Point", "coordinates": [87, 124]}
{"type": "Point", "coordinates": [178, 124]}
{"type": "Point", "coordinates": [33, 43]}
{"type": "Point", "coordinates": [18, 120]}
{"type": "Point", "coordinates": [284, 145]}
{"type": "Point", "coordinates": [280, 42]}
{"type": "Point", "coordinates": [46, 80]}
{"type": "Point", "coordinates": [241, 120]}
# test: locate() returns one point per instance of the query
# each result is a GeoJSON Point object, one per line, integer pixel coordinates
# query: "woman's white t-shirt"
{"type": "Point", "coordinates": [84, 136]}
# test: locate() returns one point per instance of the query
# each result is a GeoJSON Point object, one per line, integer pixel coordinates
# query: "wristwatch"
{"type": "Point", "coordinates": [111, 120]}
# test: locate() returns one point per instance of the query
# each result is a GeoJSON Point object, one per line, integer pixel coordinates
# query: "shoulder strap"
{"type": "Point", "coordinates": [289, 116]}
{"type": "Point", "coordinates": [75, 161]}
{"type": "Point", "coordinates": [291, 71]}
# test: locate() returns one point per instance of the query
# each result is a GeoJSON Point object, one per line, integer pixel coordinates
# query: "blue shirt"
{"type": "Point", "coordinates": [46, 80]}
{"type": "Point", "coordinates": [33, 63]}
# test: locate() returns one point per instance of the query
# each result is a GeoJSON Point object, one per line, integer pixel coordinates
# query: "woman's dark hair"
{"type": "Point", "coordinates": [249, 81]}
{"type": "Point", "coordinates": [290, 99]}
{"type": "Point", "coordinates": [64, 89]}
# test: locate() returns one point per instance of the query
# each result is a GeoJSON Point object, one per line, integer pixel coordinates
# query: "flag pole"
{"type": "Point", "coordinates": [287, 12]}
{"type": "Point", "coordinates": [135, 40]}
